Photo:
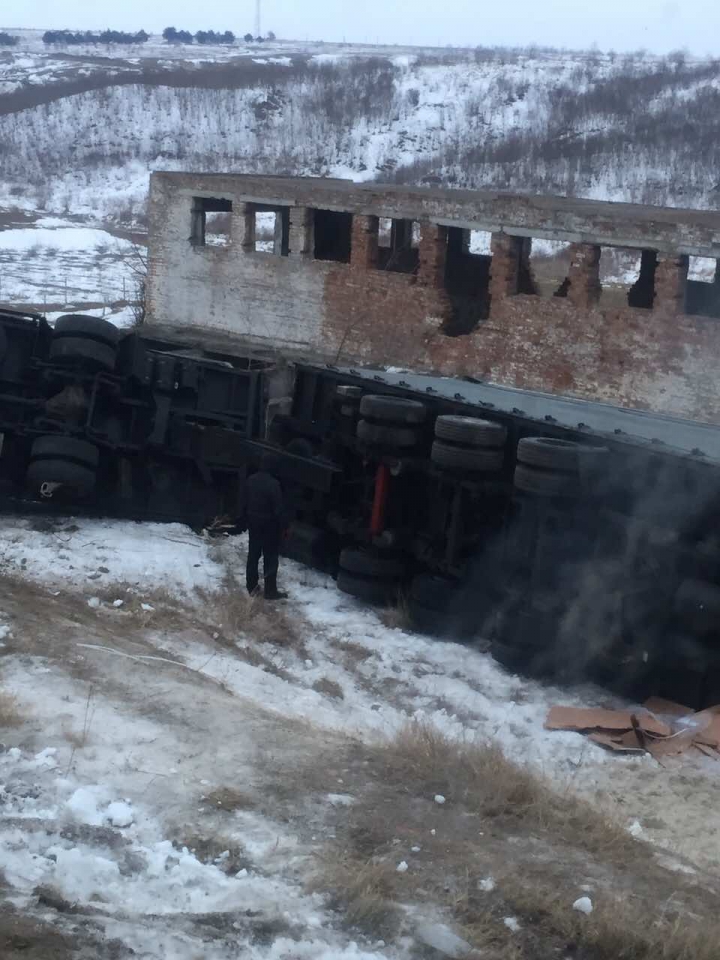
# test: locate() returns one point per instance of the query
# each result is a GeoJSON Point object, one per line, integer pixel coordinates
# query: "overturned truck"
{"type": "Point", "coordinates": [578, 538]}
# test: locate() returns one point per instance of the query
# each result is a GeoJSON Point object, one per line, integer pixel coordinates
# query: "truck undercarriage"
{"type": "Point", "coordinates": [577, 552]}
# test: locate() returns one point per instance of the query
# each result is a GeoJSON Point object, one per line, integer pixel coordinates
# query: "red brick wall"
{"type": "Point", "coordinates": [648, 359]}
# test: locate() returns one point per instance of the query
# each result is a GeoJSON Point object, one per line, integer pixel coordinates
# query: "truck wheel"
{"type": "Point", "coordinates": [65, 448]}
{"type": "Point", "coordinates": [393, 410]}
{"type": "Point", "coordinates": [93, 328]}
{"type": "Point", "coordinates": [364, 588]}
{"type": "Point", "coordinates": [88, 340]}
{"type": "Point", "coordinates": [470, 431]}
{"type": "Point", "coordinates": [77, 349]}
{"type": "Point", "coordinates": [391, 437]}
{"type": "Point", "coordinates": [433, 592]}
{"type": "Point", "coordinates": [697, 604]}
{"type": "Point", "coordinates": [365, 564]}
{"type": "Point", "coordinates": [546, 483]}
{"type": "Point", "coordinates": [549, 453]}
{"type": "Point", "coordinates": [369, 576]}
{"type": "Point", "coordinates": [425, 619]}
{"type": "Point", "coordinates": [72, 478]}
{"type": "Point", "coordinates": [467, 458]}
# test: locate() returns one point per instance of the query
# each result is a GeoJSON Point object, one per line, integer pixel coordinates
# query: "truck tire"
{"type": "Point", "coordinates": [364, 588]}
{"type": "Point", "coordinates": [433, 592]}
{"type": "Point", "coordinates": [425, 619]}
{"type": "Point", "coordinates": [697, 604]}
{"type": "Point", "coordinates": [392, 410]}
{"type": "Point", "coordinates": [546, 483]}
{"type": "Point", "coordinates": [393, 438]}
{"type": "Point", "coordinates": [90, 340]}
{"type": "Point", "coordinates": [65, 448]}
{"type": "Point", "coordinates": [92, 328]}
{"type": "Point", "coordinates": [80, 349]}
{"type": "Point", "coordinates": [488, 460]}
{"type": "Point", "coordinates": [75, 479]}
{"type": "Point", "coordinates": [363, 564]}
{"type": "Point", "coordinates": [470, 431]}
{"type": "Point", "coordinates": [549, 453]}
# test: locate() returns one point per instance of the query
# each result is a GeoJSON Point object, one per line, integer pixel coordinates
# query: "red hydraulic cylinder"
{"type": "Point", "coordinates": [382, 486]}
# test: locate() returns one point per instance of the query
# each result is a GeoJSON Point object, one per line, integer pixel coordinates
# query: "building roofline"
{"type": "Point", "coordinates": [608, 223]}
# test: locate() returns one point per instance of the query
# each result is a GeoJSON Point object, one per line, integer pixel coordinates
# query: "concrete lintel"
{"type": "Point", "coordinates": [239, 199]}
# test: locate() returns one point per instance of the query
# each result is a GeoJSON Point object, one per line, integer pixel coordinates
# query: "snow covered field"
{"type": "Point", "coordinates": [89, 125]}
{"type": "Point", "coordinates": [57, 262]}
{"type": "Point", "coordinates": [147, 782]}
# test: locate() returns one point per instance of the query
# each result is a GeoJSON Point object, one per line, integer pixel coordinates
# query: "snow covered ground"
{"type": "Point", "coordinates": [158, 778]}
{"type": "Point", "coordinates": [57, 262]}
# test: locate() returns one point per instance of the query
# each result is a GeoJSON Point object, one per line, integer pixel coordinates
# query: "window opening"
{"type": "Point", "coordinates": [270, 229]}
{"type": "Point", "coordinates": [211, 222]}
{"type": "Point", "coordinates": [702, 298]}
{"type": "Point", "coordinates": [333, 235]}
{"type": "Point", "coordinates": [398, 245]}
{"type": "Point", "coordinates": [467, 278]}
{"type": "Point", "coordinates": [628, 277]}
{"type": "Point", "coordinates": [549, 265]}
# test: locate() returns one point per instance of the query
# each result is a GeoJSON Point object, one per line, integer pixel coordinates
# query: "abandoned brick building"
{"type": "Point", "coordinates": [447, 281]}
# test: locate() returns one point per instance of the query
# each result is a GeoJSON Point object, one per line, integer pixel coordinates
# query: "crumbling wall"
{"type": "Point", "coordinates": [358, 310]}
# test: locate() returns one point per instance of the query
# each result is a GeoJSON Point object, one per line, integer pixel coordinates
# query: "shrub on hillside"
{"type": "Point", "coordinates": [177, 36]}
{"type": "Point", "coordinates": [7, 39]}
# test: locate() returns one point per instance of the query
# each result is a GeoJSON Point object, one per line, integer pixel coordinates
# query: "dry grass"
{"type": "Point", "coordinates": [238, 613]}
{"type": "Point", "coordinates": [618, 929]}
{"type": "Point", "coordinates": [397, 616]}
{"type": "Point", "coordinates": [230, 799]}
{"type": "Point", "coordinates": [10, 715]}
{"type": "Point", "coordinates": [257, 659]}
{"type": "Point", "coordinates": [216, 848]}
{"type": "Point", "coordinates": [485, 782]}
{"type": "Point", "coordinates": [363, 893]}
{"type": "Point", "coordinates": [354, 652]}
{"type": "Point", "coordinates": [329, 688]}
{"type": "Point", "coordinates": [502, 820]}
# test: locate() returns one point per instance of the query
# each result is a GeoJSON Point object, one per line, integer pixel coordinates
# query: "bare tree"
{"type": "Point", "coordinates": [137, 264]}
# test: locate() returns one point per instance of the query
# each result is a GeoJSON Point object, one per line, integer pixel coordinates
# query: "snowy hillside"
{"type": "Point", "coordinates": [81, 129]}
{"type": "Point", "coordinates": [195, 760]}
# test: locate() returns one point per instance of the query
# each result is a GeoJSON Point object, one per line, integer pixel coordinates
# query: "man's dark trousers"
{"type": "Point", "coordinates": [264, 541]}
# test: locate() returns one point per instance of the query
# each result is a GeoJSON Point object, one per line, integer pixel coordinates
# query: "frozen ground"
{"type": "Point", "coordinates": [59, 266]}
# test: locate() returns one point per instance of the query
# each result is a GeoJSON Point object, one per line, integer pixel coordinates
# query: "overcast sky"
{"type": "Point", "coordinates": [657, 25]}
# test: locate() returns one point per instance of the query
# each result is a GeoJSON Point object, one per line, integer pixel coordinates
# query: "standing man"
{"type": "Point", "coordinates": [266, 522]}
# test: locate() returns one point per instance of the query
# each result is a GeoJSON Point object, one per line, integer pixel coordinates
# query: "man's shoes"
{"type": "Point", "coordinates": [275, 595]}
{"type": "Point", "coordinates": [254, 591]}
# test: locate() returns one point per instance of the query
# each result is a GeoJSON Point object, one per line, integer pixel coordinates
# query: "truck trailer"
{"type": "Point", "coordinates": [577, 538]}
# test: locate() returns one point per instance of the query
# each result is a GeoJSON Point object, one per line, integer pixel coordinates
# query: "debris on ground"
{"type": "Point", "coordinates": [583, 905]}
{"type": "Point", "coordinates": [660, 727]}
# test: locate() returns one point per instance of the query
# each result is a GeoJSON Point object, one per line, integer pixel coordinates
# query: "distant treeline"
{"type": "Point", "coordinates": [170, 34]}
{"type": "Point", "coordinates": [70, 37]}
{"type": "Point", "coordinates": [7, 40]}
{"type": "Point", "coordinates": [202, 36]}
